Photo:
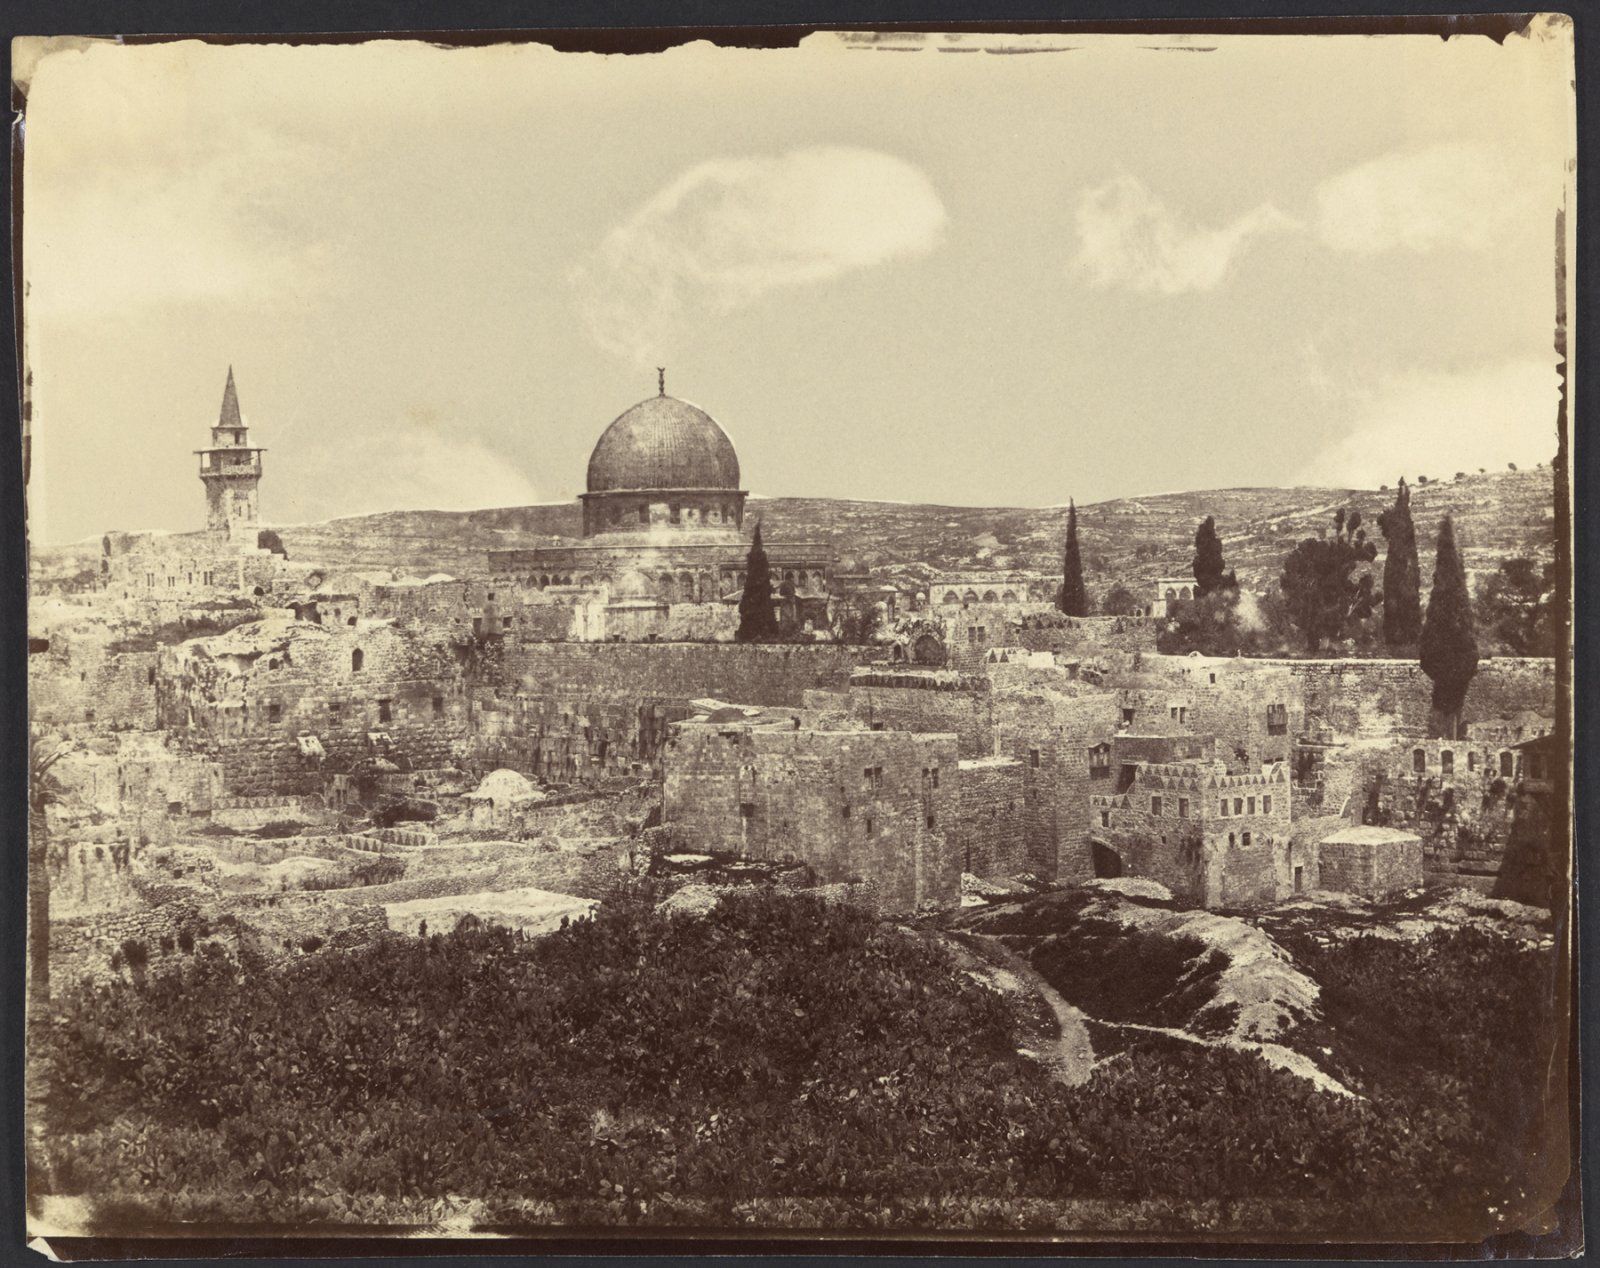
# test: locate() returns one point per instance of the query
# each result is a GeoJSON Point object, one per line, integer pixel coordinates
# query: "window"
{"type": "Point", "coordinates": [438, 706]}
{"type": "Point", "coordinates": [1105, 818]}
{"type": "Point", "coordinates": [333, 708]}
{"type": "Point", "coordinates": [644, 514]}
{"type": "Point", "coordinates": [358, 658]}
{"type": "Point", "coordinates": [274, 711]}
{"type": "Point", "coordinates": [675, 513]}
{"type": "Point", "coordinates": [1174, 712]}
{"type": "Point", "coordinates": [1213, 678]}
{"type": "Point", "coordinates": [1233, 840]}
{"type": "Point", "coordinates": [872, 777]}
{"type": "Point", "coordinates": [1100, 762]}
{"type": "Point", "coordinates": [1472, 761]}
{"type": "Point", "coordinates": [1419, 760]}
{"type": "Point", "coordinates": [872, 827]}
{"type": "Point", "coordinates": [1244, 839]}
{"type": "Point", "coordinates": [1507, 765]}
{"type": "Point", "coordinates": [1222, 807]}
{"type": "Point", "coordinates": [1155, 806]}
{"type": "Point", "coordinates": [931, 822]}
{"type": "Point", "coordinates": [505, 622]}
{"type": "Point", "coordinates": [1266, 805]}
{"type": "Point", "coordinates": [1238, 805]}
{"type": "Point", "coordinates": [1447, 762]}
{"type": "Point", "coordinates": [1127, 717]}
{"type": "Point", "coordinates": [1183, 807]}
{"type": "Point", "coordinates": [385, 710]}
{"type": "Point", "coordinates": [491, 596]}
{"type": "Point", "coordinates": [1251, 808]}
{"type": "Point", "coordinates": [1033, 757]}
{"type": "Point", "coordinates": [1277, 719]}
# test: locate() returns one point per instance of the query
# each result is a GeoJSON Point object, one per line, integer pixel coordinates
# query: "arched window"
{"type": "Point", "coordinates": [357, 659]}
{"type": "Point", "coordinates": [950, 596]}
{"type": "Point", "coordinates": [1508, 764]}
{"type": "Point", "coordinates": [1171, 594]}
{"type": "Point", "coordinates": [1008, 597]}
{"type": "Point", "coordinates": [971, 596]}
{"type": "Point", "coordinates": [989, 596]}
{"type": "Point", "coordinates": [1419, 760]}
{"type": "Point", "coordinates": [1187, 592]}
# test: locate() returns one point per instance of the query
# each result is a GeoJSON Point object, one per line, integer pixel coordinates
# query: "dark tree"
{"type": "Point", "coordinates": [1321, 588]}
{"type": "Point", "coordinates": [266, 539]}
{"type": "Point", "coordinates": [1119, 601]}
{"type": "Point", "coordinates": [1073, 599]}
{"type": "Point", "coordinates": [1517, 604]}
{"type": "Point", "coordinates": [1209, 569]}
{"type": "Point", "coordinates": [1449, 649]}
{"type": "Point", "coordinates": [757, 622]}
{"type": "Point", "coordinates": [1402, 578]}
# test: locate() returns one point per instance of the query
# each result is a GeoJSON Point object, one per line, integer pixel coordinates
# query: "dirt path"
{"type": "Point", "coordinates": [1068, 1053]}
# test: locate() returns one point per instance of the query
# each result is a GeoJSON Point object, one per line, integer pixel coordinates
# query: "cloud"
{"type": "Point", "coordinates": [1447, 195]}
{"type": "Point", "coordinates": [1438, 424]}
{"type": "Point", "coordinates": [415, 464]}
{"type": "Point", "coordinates": [1128, 238]}
{"type": "Point", "coordinates": [729, 231]}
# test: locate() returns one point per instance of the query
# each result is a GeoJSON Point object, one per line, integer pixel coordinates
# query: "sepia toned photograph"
{"type": "Point", "coordinates": [898, 635]}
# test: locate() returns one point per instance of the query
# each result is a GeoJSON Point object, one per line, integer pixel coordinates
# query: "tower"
{"type": "Point", "coordinates": [231, 470]}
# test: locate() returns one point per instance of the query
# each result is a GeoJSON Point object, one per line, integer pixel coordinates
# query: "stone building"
{"type": "Point", "coordinates": [1372, 862]}
{"type": "Point", "coordinates": [877, 808]}
{"type": "Point", "coordinates": [1213, 838]}
{"type": "Point", "coordinates": [663, 526]}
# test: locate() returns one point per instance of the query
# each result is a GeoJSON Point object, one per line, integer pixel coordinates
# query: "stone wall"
{"type": "Point", "coordinates": [908, 700]}
{"type": "Point", "coordinates": [1370, 868]}
{"type": "Point", "coordinates": [92, 688]}
{"type": "Point", "coordinates": [874, 806]}
{"type": "Point", "coordinates": [992, 812]}
{"type": "Point", "coordinates": [250, 698]}
{"type": "Point", "coordinates": [1394, 696]}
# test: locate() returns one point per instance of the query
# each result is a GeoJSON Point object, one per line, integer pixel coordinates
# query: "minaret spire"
{"type": "Point", "coordinates": [661, 379]}
{"type": "Point", "coordinates": [229, 414]}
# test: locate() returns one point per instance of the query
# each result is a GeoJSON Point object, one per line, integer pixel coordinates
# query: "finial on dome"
{"type": "Point", "coordinates": [661, 379]}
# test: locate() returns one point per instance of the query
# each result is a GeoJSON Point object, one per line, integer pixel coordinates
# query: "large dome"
{"type": "Point", "coordinates": [663, 443]}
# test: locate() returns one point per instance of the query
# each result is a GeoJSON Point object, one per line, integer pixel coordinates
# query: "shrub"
{"type": "Point", "coordinates": [311, 943]}
{"type": "Point", "coordinates": [280, 828]}
{"type": "Point", "coordinates": [404, 810]}
{"type": "Point", "coordinates": [135, 953]}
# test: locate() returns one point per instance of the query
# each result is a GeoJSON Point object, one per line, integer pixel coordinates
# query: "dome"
{"type": "Point", "coordinates": [663, 443]}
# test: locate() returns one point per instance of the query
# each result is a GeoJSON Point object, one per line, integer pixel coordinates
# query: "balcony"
{"type": "Point", "coordinates": [215, 464]}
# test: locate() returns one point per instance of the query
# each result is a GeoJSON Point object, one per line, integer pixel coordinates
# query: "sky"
{"type": "Point", "coordinates": [1124, 267]}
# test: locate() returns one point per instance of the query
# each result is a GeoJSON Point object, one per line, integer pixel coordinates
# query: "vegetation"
{"type": "Point", "coordinates": [1402, 579]}
{"type": "Point", "coordinates": [1518, 607]}
{"type": "Point", "coordinates": [1210, 572]}
{"type": "Point", "coordinates": [1448, 648]}
{"type": "Point", "coordinates": [639, 1068]}
{"type": "Point", "coordinates": [757, 624]}
{"type": "Point", "coordinates": [1073, 599]}
{"type": "Point", "coordinates": [1322, 590]}
{"type": "Point", "coordinates": [1119, 601]}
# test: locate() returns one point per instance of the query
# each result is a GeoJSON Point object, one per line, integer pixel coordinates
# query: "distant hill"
{"type": "Point", "coordinates": [1129, 540]}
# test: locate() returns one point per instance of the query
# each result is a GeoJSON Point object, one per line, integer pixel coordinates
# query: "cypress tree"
{"type": "Point", "coordinates": [1209, 569]}
{"type": "Point", "coordinates": [757, 624]}
{"type": "Point", "coordinates": [1402, 577]}
{"type": "Point", "coordinates": [1448, 647]}
{"type": "Point", "coordinates": [1074, 599]}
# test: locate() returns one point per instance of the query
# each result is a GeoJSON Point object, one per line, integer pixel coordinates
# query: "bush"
{"type": "Point", "coordinates": [776, 1049]}
{"type": "Point", "coordinates": [404, 810]}
{"type": "Point", "coordinates": [310, 944]}
{"type": "Point", "coordinates": [135, 953]}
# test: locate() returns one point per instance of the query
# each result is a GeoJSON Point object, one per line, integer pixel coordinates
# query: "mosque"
{"type": "Point", "coordinates": [664, 526]}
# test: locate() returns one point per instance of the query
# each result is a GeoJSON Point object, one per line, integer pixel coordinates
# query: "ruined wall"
{"type": "Point", "coordinates": [1086, 636]}
{"type": "Point", "coordinates": [249, 697]}
{"type": "Point", "coordinates": [942, 702]}
{"type": "Point", "coordinates": [1387, 696]}
{"type": "Point", "coordinates": [874, 806]}
{"type": "Point", "coordinates": [91, 687]}
{"type": "Point", "coordinates": [992, 812]}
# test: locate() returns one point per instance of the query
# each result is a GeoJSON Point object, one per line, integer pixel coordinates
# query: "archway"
{"type": "Point", "coordinates": [928, 649]}
{"type": "Point", "coordinates": [1107, 862]}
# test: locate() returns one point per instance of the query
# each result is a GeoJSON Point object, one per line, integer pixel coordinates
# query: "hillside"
{"type": "Point", "coordinates": [1131, 540]}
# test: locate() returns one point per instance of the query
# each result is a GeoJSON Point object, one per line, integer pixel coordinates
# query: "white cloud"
{"type": "Point", "coordinates": [729, 231]}
{"type": "Point", "coordinates": [1438, 424]}
{"type": "Point", "coordinates": [1447, 195]}
{"type": "Point", "coordinates": [1127, 237]}
{"type": "Point", "coordinates": [414, 464]}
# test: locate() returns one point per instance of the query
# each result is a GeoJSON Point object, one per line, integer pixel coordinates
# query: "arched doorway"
{"type": "Point", "coordinates": [1107, 862]}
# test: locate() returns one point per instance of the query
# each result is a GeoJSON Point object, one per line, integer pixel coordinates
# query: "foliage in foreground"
{"type": "Point", "coordinates": [774, 1051]}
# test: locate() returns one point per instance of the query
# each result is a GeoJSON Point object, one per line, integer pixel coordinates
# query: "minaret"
{"type": "Point", "coordinates": [231, 470]}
